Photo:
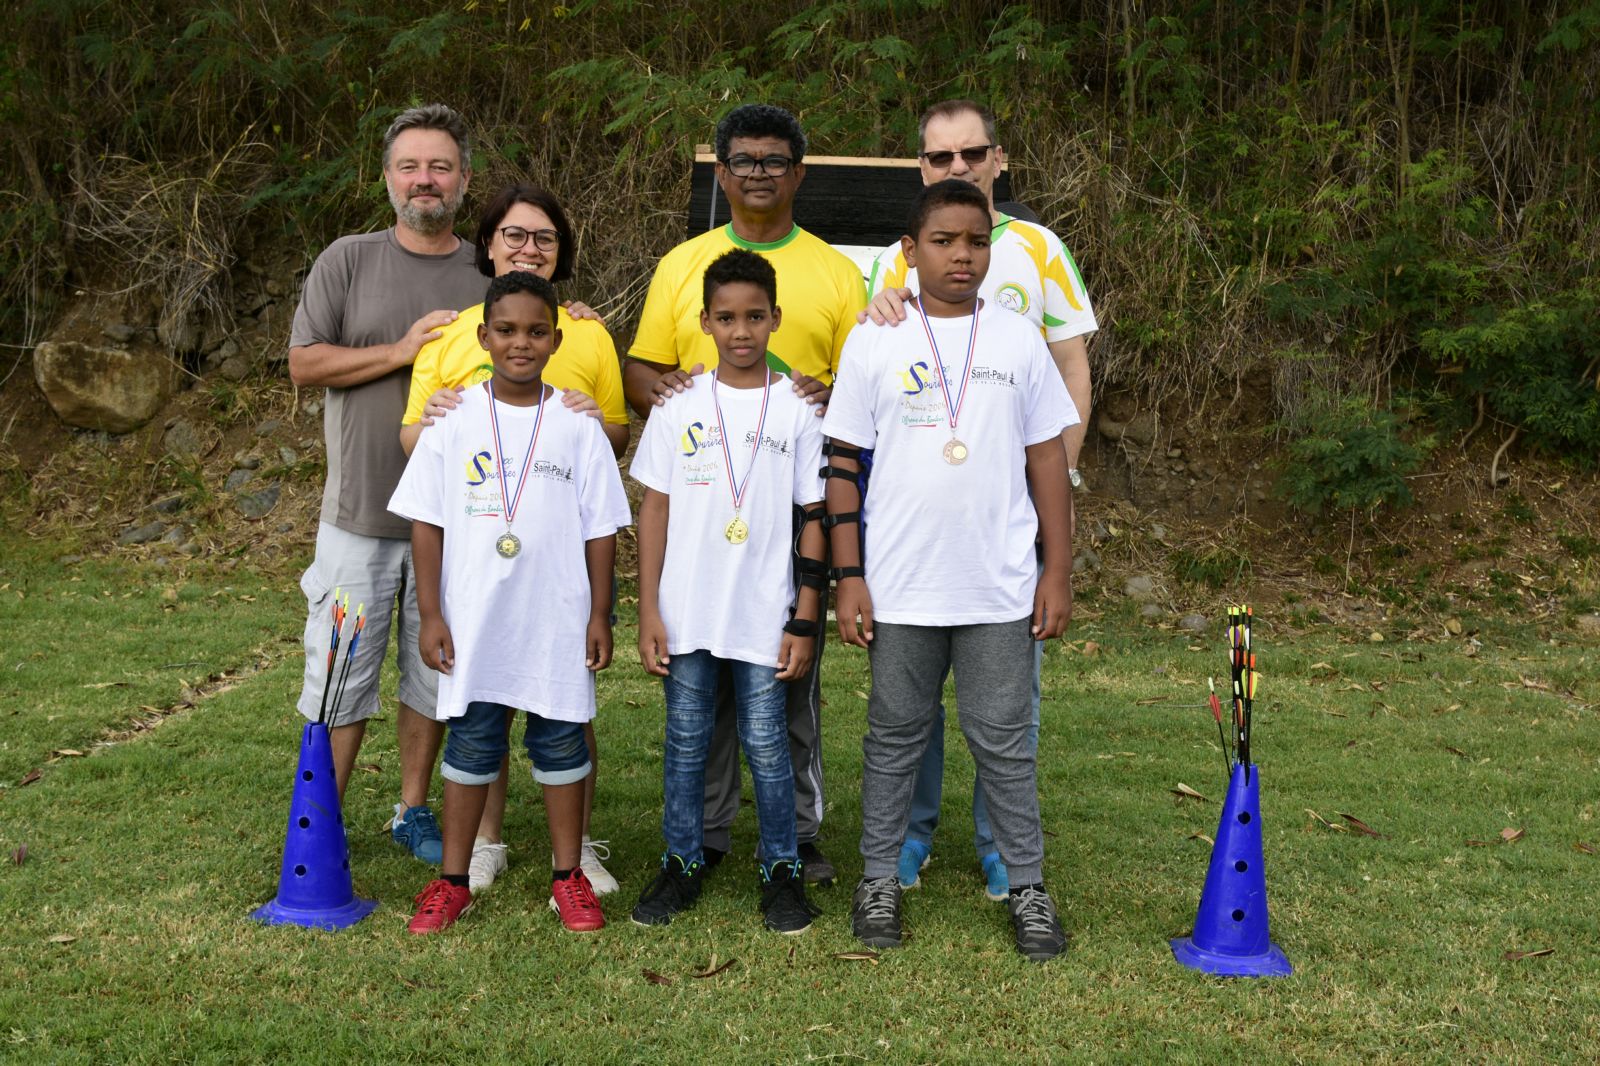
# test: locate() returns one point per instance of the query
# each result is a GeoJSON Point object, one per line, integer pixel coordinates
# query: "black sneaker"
{"type": "Point", "coordinates": [818, 870]}
{"type": "Point", "coordinates": [784, 906]}
{"type": "Point", "coordinates": [676, 888]}
{"type": "Point", "coordinates": [875, 912]}
{"type": "Point", "coordinates": [713, 856]}
{"type": "Point", "coordinates": [1039, 933]}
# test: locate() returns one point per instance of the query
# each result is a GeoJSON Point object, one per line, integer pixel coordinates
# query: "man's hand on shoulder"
{"type": "Point", "coordinates": [673, 382]}
{"type": "Point", "coordinates": [886, 308]}
{"type": "Point", "coordinates": [422, 331]}
{"type": "Point", "coordinates": [812, 390]}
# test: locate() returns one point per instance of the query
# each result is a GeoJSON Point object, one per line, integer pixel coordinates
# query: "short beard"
{"type": "Point", "coordinates": [429, 223]}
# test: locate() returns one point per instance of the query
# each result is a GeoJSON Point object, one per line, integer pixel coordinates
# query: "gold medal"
{"type": "Point", "coordinates": [507, 545]}
{"type": "Point", "coordinates": [955, 453]}
{"type": "Point", "coordinates": [737, 532]}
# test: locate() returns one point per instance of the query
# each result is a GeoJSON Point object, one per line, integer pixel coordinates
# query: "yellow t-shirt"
{"type": "Point", "coordinates": [586, 361]}
{"type": "Point", "coordinates": [1030, 272]}
{"type": "Point", "coordinates": [819, 290]}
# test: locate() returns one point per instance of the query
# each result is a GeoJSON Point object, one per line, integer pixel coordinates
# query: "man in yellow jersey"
{"type": "Point", "coordinates": [1031, 273]}
{"type": "Point", "coordinates": [759, 150]}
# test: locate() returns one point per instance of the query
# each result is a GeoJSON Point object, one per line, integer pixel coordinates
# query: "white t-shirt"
{"type": "Point", "coordinates": [1030, 272]}
{"type": "Point", "coordinates": [518, 624]}
{"type": "Point", "coordinates": [731, 600]}
{"type": "Point", "coordinates": [949, 545]}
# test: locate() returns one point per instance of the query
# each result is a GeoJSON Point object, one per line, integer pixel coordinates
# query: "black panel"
{"type": "Point", "coordinates": [857, 203]}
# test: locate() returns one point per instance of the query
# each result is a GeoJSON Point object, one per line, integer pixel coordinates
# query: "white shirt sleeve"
{"type": "Point", "coordinates": [602, 502]}
{"type": "Point", "coordinates": [807, 457]}
{"type": "Point", "coordinates": [850, 416]}
{"type": "Point", "coordinates": [652, 459]}
{"type": "Point", "coordinates": [1048, 406]}
{"type": "Point", "coordinates": [420, 495]}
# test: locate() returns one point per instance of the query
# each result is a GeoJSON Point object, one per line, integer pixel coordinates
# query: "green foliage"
{"type": "Point", "coordinates": [1534, 365]}
{"type": "Point", "coordinates": [1215, 568]}
{"type": "Point", "coordinates": [1352, 456]}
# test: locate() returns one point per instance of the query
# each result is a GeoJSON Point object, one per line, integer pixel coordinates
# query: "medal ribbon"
{"type": "Point", "coordinates": [510, 503]}
{"type": "Point", "coordinates": [734, 487]}
{"type": "Point", "coordinates": [953, 411]}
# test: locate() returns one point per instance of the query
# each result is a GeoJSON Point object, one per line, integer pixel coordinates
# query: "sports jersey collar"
{"type": "Point", "coordinates": [770, 246]}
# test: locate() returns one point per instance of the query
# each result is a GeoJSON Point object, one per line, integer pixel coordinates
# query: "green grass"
{"type": "Point", "coordinates": [151, 852]}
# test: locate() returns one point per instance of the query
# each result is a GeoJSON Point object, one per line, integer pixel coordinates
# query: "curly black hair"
{"type": "Point", "coordinates": [521, 281]}
{"type": "Point", "coordinates": [740, 265]}
{"type": "Point", "coordinates": [760, 120]}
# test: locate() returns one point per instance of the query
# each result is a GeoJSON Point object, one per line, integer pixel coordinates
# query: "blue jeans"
{"type": "Point", "coordinates": [477, 742]}
{"type": "Point", "coordinates": [759, 698]}
{"type": "Point", "coordinates": [929, 790]}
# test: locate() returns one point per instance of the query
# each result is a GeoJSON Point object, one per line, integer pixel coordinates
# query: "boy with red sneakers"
{"type": "Point", "coordinates": [515, 502]}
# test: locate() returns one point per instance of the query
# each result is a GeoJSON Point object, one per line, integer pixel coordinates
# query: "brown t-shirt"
{"type": "Point", "coordinates": [364, 290]}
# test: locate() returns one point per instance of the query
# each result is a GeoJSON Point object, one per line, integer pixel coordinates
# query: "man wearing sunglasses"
{"type": "Point", "coordinates": [759, 168]}
{"type": "Point", "coordinates": [1030, 273]}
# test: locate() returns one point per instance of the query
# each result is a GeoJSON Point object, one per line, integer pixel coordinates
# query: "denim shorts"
{"type": "Point", "coordinates": [478, 741]}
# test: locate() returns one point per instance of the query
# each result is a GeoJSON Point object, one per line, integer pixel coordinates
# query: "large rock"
{"type": "Point", "coordinates": [105, 388]}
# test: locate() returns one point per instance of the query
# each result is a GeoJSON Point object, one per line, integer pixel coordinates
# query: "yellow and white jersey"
{"type": "Point", "coordinates": [1030, 272]}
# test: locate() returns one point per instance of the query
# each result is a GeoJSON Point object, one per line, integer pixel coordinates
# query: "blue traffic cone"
{"type": "Point", "coordinates": [1230, 931]}
{"type": "Point", "coordinates": [314, 889]}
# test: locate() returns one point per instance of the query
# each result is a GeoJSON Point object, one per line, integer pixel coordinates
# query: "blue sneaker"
{"type": "Point", "coordinates": [913, 857]}
{"type": "Point", "coordinates": [998, 888]}
{"type": "Point", "coordinates": [417, 831]}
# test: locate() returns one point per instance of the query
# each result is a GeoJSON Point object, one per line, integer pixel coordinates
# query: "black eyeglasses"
{"type": "Point", "coordinates": [546, 240]}
{"type": "Point", "coordinates": [970, 156]}
{"type": "Point", "coordinates": [742, 166]}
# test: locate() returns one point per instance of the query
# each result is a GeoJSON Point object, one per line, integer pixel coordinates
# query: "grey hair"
{"type": "Point", "coordinates": [429, 117]}
{"type": "Point", "coordinates": [950, 109]}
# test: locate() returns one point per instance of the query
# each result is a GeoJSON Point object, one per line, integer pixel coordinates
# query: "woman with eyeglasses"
{"type": "Point", "coordinates": [524, 228]}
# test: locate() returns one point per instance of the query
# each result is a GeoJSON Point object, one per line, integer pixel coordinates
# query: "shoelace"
{"type": "Point", "coordinates": [483, 854]}
{"type": "Point", "coordinates": [599, 850]}
{"type": "Point", "coordinates": [422, 821]}
{"type": "Point", "coordinates": [878, 906]}
{"type": "Point", "coordinates": [577, 892]}
{"type": "Point", "coordinates": [1034, 912]}
{"type": "Point", "coordinates": [433, 900]}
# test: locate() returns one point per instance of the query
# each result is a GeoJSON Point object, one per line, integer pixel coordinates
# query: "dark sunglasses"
{"type": "Point", "coordinates": [970, 156]}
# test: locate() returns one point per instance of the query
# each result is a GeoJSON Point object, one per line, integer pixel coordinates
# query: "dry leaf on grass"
{"type": "Point", "coordinates": [1457, 752]}
{"type": "Point", "coordinates": [861, 694]}
{"type": "Point", "coordinates": [857, 956]}
{"type": "Point", "coordinates": [107, 684]}
{"type": "Point", "coordinates": [20, 855]}
{"type": "Point", "coordinates": [1150, 702]}
{"type": "Point", "coordinates": [29, 778]}
{"type": "Point", "coordinates": [1509, 835]}
{"type": "Point", "coordinates": [712, 969]}
{"type": "Point", "coordinates": [66, 753]}
{"type": "Point", "coordinates": [62, 938]}
{"type": "Point", "coordinates": [1587, 849]}
{"type": "Point", "coordinates": [1359, 826]}
{"type": "Point", "coordinates": [1183, 791]}
{"type": "Point", "coordinates": [1517, 956]}
{"type": "Point", "coordinates": [1202, 836]}
{"type": "Point", "coordinates": [656, 979]}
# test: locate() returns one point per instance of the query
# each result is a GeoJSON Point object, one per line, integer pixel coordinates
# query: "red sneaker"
{"type": "Point", "coordinates": [439, 905]}
{"type": "Point", "coordinates": [575, 901]}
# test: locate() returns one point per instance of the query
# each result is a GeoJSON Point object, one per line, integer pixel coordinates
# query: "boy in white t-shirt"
{"type": "Point", "coordinates": [723, 468]}
{"type": "Point", "coordinates": [964, 412]}
{"type": "Point", "coordinates": [515, 502]}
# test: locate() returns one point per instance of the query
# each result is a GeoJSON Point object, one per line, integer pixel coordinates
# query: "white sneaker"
{"type": "Point", "coordinates": [600, 878]}
{"type": "Point", "coordinates": [488, 862]}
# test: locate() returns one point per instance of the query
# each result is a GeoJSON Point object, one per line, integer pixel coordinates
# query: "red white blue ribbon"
{"type": "Point", "coordinates": [509, 503]}
{"type": "Point", "coordinates": [953, 411]}
{"type": "Point", "coordinates": [735, 487]}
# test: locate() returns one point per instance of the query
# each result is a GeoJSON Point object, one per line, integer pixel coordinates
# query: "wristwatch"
{"type": "Point", "coordinates": [1075, 477]}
